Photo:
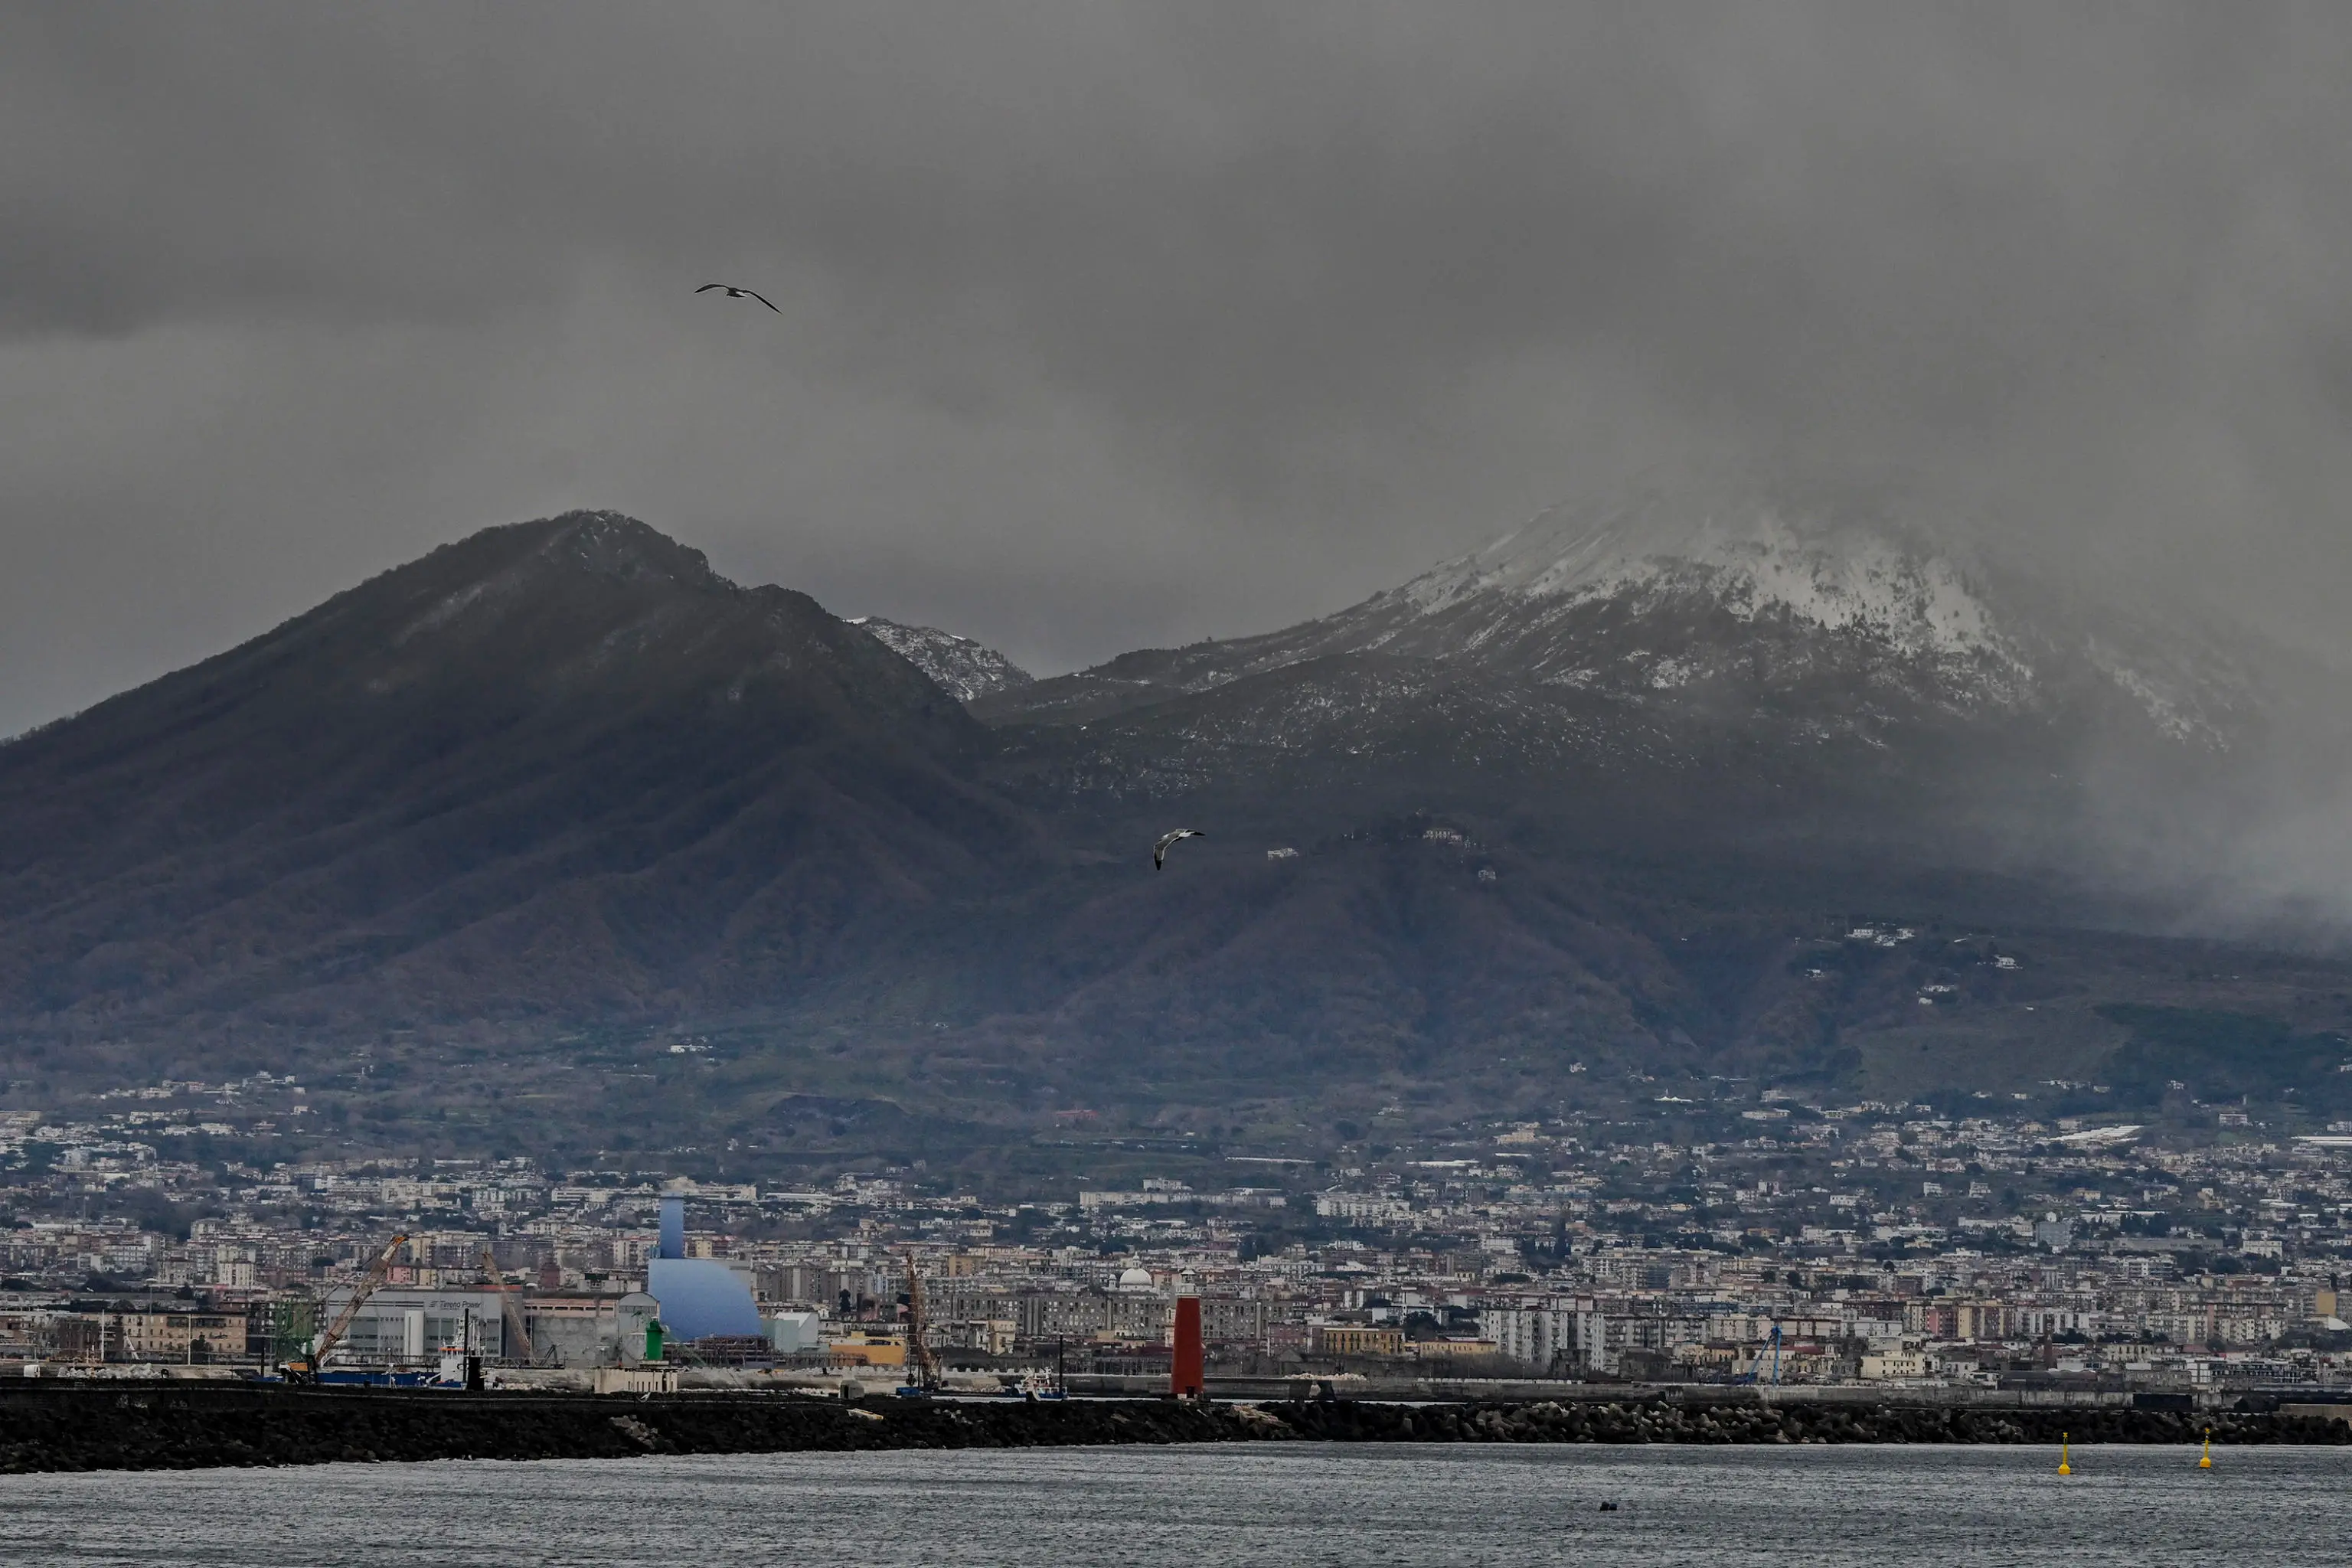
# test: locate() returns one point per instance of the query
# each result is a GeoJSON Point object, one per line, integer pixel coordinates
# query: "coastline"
{"type": "Point", "coordinates": [193, 1426]}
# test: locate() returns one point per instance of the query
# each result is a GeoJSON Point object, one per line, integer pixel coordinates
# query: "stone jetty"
{"type": "Point", "coordinates": [97, 1425]}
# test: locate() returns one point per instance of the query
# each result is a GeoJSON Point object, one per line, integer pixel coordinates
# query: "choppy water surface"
{"type": "Point", "coordinates": [1292, 1504]}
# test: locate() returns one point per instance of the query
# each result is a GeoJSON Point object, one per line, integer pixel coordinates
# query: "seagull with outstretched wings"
{"type": "Point", "coordinates": [1159, 849]}
{"type": "Point", "coordinates": [735, 293]}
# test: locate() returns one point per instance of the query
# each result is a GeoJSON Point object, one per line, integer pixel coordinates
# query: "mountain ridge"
{"type": "Point", "coordinates": [1746, 574]}
{"type": "Point", "coordinates": [480, 709]}
{"type": "Point", "coordinates": [965, 669]}
{"type": "Point", "coordinates": [482, 831]}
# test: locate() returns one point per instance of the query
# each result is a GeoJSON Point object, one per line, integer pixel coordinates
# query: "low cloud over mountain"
{"type": "Point", "coordinates": [1614, 793]}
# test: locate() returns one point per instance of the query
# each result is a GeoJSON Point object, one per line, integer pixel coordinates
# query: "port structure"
{"type": "Point", "coordinates": [922, 1365]}
{"type": "Point", "coordinates": [307, 1370]}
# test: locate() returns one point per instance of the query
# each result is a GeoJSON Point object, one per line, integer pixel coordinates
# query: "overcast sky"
{"type": "Point", "coordinates": [1108, 325]}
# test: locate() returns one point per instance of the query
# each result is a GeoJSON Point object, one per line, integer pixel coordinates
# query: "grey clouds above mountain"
{"type": "Point", "coordinates": [1107, 325]}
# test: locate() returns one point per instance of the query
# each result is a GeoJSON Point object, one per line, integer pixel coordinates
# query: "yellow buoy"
{"type": "Point", "coordinates": [2205, 1460]}
{"type": "Point", "coordinates": [2063, 1467]}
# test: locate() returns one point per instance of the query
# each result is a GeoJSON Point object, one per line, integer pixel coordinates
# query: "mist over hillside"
{"type": "Point", "coordinates": [1703, 780]}
{"type": "Point", "coordinates": [1725, 654]}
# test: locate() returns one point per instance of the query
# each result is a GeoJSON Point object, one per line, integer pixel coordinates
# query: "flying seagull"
{"type": "Point", "coordinates": [1160, 850]}
{"type": "Point", "coordinates": [735, 293]}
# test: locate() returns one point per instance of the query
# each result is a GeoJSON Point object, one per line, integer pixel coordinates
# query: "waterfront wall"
{"type": "Point", "coordinates": [186, 1427]}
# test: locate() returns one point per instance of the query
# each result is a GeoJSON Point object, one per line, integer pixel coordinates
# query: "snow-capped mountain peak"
{"type": "Point", "coordinates": [1756, 546]}
{"type": "Point", "coordinates": [1860, 566]}
{"type": "Point", "coordinates": [1744, 598]}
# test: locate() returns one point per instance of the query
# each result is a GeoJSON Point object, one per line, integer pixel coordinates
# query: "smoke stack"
{"type": "Point", "coordinates": [672, 1228]}
{"type": "Point", "coordinates": [1184, 1371]}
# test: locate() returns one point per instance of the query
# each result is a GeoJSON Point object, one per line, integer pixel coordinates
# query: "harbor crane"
{"type": "Point", "coordinates": [1754, 1372]}
{"type": "Point", "coordinates": [307, 1370]}
{"type": "Point", "coordinates": [922, 1367]}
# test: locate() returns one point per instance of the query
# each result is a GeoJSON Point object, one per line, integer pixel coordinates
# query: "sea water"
{"type": "Point", "coordinates": [1286, 1504]}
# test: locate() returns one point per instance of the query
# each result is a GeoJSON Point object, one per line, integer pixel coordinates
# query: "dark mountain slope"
{"type": "Point", "coordinates": [560, 768]}
{"type": "Point", "coordinates": [1467, 969]}
{"type": "Point", "coordinates": [557, 837]}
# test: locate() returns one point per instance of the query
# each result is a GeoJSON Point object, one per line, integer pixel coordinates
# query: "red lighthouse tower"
{"type": "Point", "coordinates": [1185, 1367]}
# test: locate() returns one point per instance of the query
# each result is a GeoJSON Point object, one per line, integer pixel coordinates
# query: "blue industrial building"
{"type": "Point", "coordinates": [699, 1296]}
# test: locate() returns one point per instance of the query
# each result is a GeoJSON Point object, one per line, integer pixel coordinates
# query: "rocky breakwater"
{"type": "Point", "coordinates": [1667, 1421]}
{"type": "Point", "coordinates": [110, 1426]}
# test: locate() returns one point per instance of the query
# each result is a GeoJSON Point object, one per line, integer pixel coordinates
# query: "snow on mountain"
{"type": "Point", "coordinates": [959, 665]}
{"type": "Point", "coordinates": [1841, 609]}
{"type": "Point", "coordinates": [1756, 563]}
{"type": "Point", "coordinates": [1737, 565]}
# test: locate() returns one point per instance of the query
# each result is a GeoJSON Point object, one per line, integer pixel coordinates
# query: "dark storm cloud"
{"type": "Point", "coordinates": [1109, 324]}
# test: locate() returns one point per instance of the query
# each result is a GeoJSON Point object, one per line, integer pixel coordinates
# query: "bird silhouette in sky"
{"type": "Point", "coordinates": [1159, 849]}
{"type": "Point", "coordinates": [735, 293]}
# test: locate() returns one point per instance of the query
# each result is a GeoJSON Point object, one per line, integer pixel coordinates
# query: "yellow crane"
{"type": "Point", "coordinates": [307, 1370]}
{"type": "Point", "coordinates": [517, 1337]}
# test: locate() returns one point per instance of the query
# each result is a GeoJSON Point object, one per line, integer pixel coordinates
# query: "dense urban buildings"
{"type": "Point", "coordinates": [1867, 1242]}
